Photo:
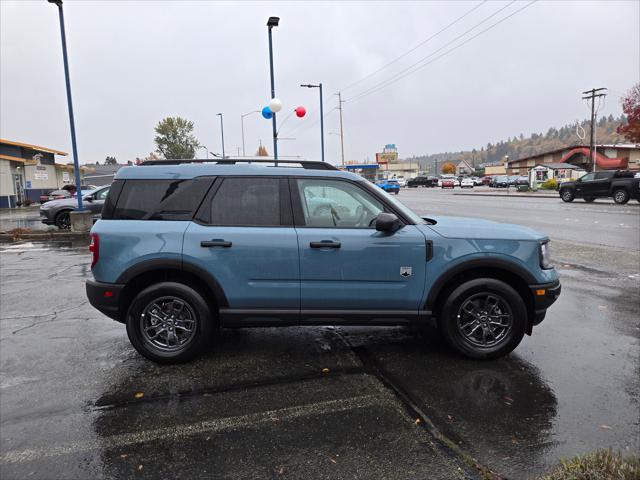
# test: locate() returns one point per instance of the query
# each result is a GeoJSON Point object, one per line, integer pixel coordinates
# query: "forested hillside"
{"type": "Point", "coordinates": [521, 146]}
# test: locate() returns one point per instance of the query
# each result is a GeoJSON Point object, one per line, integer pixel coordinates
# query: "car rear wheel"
{"type": "Point", "coordinates": [169, 322]}
{"type": "Point", "coordinates": [483, 318]}
{"type": "Point", "coordinates": [620, 196]}
{"type": "Point", "coordinates": [566, 195]}
{"type": "Point", "coordinates": [63, 220]}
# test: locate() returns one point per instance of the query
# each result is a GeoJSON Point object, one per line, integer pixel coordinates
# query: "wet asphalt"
{"type": "Point", "coordinates": [76, 401]}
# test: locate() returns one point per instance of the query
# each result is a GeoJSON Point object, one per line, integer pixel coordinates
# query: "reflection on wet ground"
{"type": "Point", "coordinates": [76, 401]}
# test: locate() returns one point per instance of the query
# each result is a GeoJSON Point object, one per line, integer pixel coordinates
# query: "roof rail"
{"type": "Point", "coordinates": [306, 164]}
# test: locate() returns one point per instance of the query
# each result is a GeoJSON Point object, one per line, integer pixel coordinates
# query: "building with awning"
{"type": "Point", "coordinates": [607, 157]}
{"type": "Point", "coordinates": [28, 170]}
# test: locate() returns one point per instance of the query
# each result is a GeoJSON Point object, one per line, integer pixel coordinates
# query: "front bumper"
{"type": "Point", "coordinates": [45, 218]}
{"type": "Point", "coordinates": [105, 297]}
{"type": "Point", "coordinates": [544, 295]}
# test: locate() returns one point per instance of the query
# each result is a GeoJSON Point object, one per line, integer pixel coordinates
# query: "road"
{"type": "Point", "coordinates": [76, 401]}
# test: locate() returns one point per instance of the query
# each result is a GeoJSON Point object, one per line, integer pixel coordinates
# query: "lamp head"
{"type": "Point", "coordinates": [57, 2]}
{"type": "Point", "coordinates": [273, 22]}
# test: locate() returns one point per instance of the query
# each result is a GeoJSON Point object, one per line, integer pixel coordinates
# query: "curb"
{"type": "Point", "coordinates": [8, 237]}
{"type": "Point", "coordinates": [515, 195]}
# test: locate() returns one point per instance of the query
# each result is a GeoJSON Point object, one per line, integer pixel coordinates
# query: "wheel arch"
{"type": "Point", "coordinates": [514, 275]}
{"type": "Point", "coordinates": [146, 273]}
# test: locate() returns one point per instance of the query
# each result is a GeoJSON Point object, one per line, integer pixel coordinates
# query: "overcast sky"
{"type": "Point", "coordinates": [133, 63]}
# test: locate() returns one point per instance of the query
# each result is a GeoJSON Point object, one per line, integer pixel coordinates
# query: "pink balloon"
{"type": "Point", "coordinates": [300, 112]}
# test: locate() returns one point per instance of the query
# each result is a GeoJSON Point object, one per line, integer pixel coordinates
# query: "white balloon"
{"type": "Point", "coordinates": [275, 105]}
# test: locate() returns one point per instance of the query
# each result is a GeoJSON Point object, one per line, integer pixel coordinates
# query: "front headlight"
{"type": "Point", "coordinates": [545, 255]}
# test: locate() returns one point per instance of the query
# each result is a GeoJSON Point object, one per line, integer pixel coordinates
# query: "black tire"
{"type": "Point", "coordinates": [620, 196]}
{"type": "Point", "coordinates": [194, 306]}
{"type": "Point", "coordinates": [397, 192]}
{"type": "Point", "coordinates": [451, 317]}
{"type": "Point", "coordinates": [567, 195]}
{"type": "Point", "coordinates": [63, 220]}
{"type": "Point", "coordinates": [589, 199]}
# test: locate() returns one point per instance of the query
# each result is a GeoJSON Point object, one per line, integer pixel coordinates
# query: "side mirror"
{"type": "Point", "coordinates": [387, 222]}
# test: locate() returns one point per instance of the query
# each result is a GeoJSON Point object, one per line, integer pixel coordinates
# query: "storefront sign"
{"type": "Point", "coordinates": [41, 173]}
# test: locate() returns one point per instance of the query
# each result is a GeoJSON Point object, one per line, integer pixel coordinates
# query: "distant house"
{"type": "Point", "coordinates": [494, 168]}
{"type": "Point", "coordinates": [463, 168]}
{"type": "Point", "coordinates": [608, 157]}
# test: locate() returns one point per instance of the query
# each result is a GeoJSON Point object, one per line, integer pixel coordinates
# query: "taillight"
{"type": "Point", "coordinates": [94, 248]}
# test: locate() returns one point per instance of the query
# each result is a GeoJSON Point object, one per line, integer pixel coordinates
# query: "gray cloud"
{"type": "Point", "coordinates": [133, 63]}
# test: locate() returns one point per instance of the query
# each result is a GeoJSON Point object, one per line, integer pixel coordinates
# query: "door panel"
{"type": "Point", "coordinates": [259, 270]}
{"type": "Point", "coordinates": [365, 272]}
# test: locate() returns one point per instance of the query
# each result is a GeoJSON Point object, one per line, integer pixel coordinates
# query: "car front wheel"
{"type": "Point", "coordinates": [620, 196]}
{"type": "Point", "coordinates": [63, 221]}
{"type": "Point", "coordinates": [483, 318]}
{"type": "Point", "coordinates": [169, 322]}
{"type": "Point", "coordinates": [566, 195]}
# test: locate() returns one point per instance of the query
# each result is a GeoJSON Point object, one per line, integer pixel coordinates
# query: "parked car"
{"type": "Point", "coordinates": [513, 180]}
{"type": "Point", "coordinates": [466, 183]}
{"type": "Point", "coordinates": [389, 186]}
{"type": "Point", "coordinates": [499, 181]}
{"type": "Point", "coordinates": [486, 180]}
{"type": "Point", "coordinates": [401, 181]}
{"type": "Point", "coordinates": [184, 249]}
{"type": "Point", "coordinates": [422, 182]}
{"type": "Point", "coordinates": [447, 176]}
{"type": "Point", "coordinates": [447, 183]}
{"type": "Point", "coordinates": [477, 181]}
{"type": "Point", "coordinates": [522, 180]}
{"type": "Point", "coordinates": [56, 195]}
{"type": "Point", "coordinates": [56, 212]}
{"type": "Point", "coordinates": [617, 184]}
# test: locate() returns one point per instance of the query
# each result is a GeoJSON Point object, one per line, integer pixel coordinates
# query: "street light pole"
{"type": "Point", "coordinates": [76, 163]}
{"type": "Point", "coordinates": [242, 128]}
{"type": "Point", "coordinates": [321, 117]}
{"type": "Point", "coordinates": [273, 22]}
{"type": "Point", "coordinates": [222, 133]}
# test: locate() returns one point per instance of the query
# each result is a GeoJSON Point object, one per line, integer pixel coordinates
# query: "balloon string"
{"type": "Point", "coordinates": [284, 121]}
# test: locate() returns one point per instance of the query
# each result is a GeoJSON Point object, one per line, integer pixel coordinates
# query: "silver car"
{"type": "Point", "coordinates": [56, 212]}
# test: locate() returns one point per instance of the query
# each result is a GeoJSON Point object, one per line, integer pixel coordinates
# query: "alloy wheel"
{"type": "Point", "coordinates": [168, 324]}
{"type": "Point", "coordinates": [484, 320]}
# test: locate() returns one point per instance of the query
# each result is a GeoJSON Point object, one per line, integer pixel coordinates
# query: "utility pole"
{"type": "Point", "coordinates": [592, 95]}
{"type": "Point", "coordinates": [340, 102]}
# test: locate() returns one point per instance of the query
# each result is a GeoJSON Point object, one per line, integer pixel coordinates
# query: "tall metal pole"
{"type": "Point", "coordinates": [341, 130]}
{"type": "Point", "coordinates": [310, 85]}
{"type": "Point", "coordinates": [321, 125]}
{"type": "Point", "coordinates": [270, 25]}
{"type": "Point", "coordinates": [76, 163]}
{"type": "Point", "coordinates": [222, 133]}
{"type": "Point", "coordinates": [242, 129]}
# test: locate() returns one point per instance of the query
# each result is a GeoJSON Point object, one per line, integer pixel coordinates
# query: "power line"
{"type": "Point", "coordinates": [416, 47]}
{"type": "Point", "coordinates": [408, 70]}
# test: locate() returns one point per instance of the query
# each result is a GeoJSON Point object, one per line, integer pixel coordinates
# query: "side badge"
{"type": "Point", "coordinates": [406, 271]}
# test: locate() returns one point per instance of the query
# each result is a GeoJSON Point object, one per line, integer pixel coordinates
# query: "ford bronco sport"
{"type": "Point", "coordinates": [186, 247]}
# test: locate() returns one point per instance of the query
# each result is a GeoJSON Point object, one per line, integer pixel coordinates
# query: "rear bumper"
{"type": "Point", "coordinates": [105, 297]}
{"type": "Point", "coordinates": [544, 295]}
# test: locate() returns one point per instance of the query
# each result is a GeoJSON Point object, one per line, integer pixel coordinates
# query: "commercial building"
{"type": "Point", "coordinates": [390, 166]}
{"type": "Point", "coordinates": [27, 171]}
{"type": "Point", "coordinates": [608, 157]}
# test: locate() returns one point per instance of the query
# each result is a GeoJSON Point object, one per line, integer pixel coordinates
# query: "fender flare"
{"type": "Point", "coordinates": [472, 264]}
{"type": "Point", "coordinates": [176, 264]}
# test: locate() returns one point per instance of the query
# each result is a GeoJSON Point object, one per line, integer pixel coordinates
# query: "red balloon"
{"type": "Point", "coordinates": [301, 112]}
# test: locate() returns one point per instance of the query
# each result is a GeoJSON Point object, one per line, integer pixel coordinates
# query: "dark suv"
{"type": "Point", "coordinates": [183, 249]}
{"type": "Point", "coordinates": [617, 184]}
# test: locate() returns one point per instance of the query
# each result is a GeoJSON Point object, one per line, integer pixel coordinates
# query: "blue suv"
{"type": "Point", "coordinates": [187, 247]}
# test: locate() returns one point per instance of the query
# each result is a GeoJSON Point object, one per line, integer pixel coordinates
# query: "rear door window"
{"type": "Point", "coordinates": [248, 201]}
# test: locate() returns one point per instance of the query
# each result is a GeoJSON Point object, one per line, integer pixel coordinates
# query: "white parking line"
{"type": "Point", "coordinates": [186, 430]}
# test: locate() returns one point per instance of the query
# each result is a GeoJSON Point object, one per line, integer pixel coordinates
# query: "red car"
{"type": "Point", "coordinates": [448, 183]}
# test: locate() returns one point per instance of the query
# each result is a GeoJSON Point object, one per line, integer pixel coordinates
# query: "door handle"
{"type": "Point", "coordinates": [325, 244]}
{"type": "Point", "coordinates": [215, 243]}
